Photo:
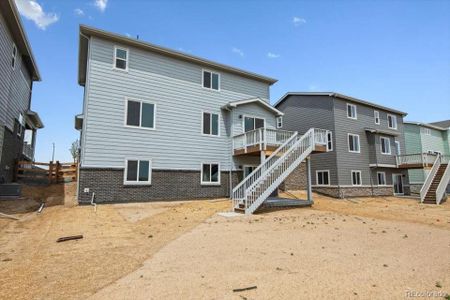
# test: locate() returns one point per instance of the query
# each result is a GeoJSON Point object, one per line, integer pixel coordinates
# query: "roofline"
{"type": "Point", "coordinates": [337, 95]}
{"type": "Point", "coordinates": [35, 74]}
{"type": "Point", "coordinates": [425, 125]}
{"type": "Point", "coordinates": [90, 31]}
{"type": "Point", "coordinates": [252, 100]}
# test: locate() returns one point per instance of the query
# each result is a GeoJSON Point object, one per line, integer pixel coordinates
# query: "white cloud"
{"type": "Point", "coordinates": [101, 4]}
{"type": "Point", "coordinates": [31, 10]}
{"type": "Point", "coordinates": [313, 87]}
{"type": "Point", "coordinates": [272, 55]}
{"type": "Point", "coordinates": [298, 21]}
{"type": "Point", "coordinates": [78, 12]}
{"type": "Point", "coordinates": [237, 51]}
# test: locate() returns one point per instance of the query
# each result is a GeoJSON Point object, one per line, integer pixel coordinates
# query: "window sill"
{"type": "Point", "coordinates": [354, 151]}
{"type": "Point", "coordinates": [120, 70]}
{"type": "Point", "coordinates": [211, 89]}
{"type": "Point", "coordinates": [131, 184]}
{"type": "Point", "coordinates": [139, 127]}
{"type": "Point", "coordinates": [352, 118]}
{"type": "Point", "coordinates": [210, 183]}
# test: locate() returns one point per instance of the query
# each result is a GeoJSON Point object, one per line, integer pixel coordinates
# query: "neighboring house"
{"type": "Point", "coordinates": [425, 138]}
{"type": "Point", "coordinates": [18, 70]}
{"type": "Point", "coordinates": [161, 124]}
{"type": "Point", "coordinates": [363, 142]}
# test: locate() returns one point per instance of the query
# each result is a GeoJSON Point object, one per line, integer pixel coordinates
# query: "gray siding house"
{"type": "Point", "coordinates": [18, 70]}
{"type": "Point", "coordinates": [363, 142]}
{"type": "Point", "coordinates": [161, 124]}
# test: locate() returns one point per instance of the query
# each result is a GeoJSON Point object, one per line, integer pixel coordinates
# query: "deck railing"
{"type": "Point", "coordinates": [261, 137]}
{"type": "Point", "coordinates": [423, 159]}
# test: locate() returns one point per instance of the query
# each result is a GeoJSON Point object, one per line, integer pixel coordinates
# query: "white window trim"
{"type": "Point", "coordinates": [381, 145]}
{"type": "Point", "coordinates": [279, 121]}
{"type": "Point", "coordinates": [385, 181]}
{"type": "Point", "coordinates": [126, 61]}
{"type": "Point", "coordinates": [218, 128]}
{"type": "Point", "coordinates": [201, 172]}
{"type": "Point", "coordinates": [397, 148]}
{"type": "Point", "coordinates": [348, 143]}
{"type": "Point", "coordinates": [331, 135]}
{"type": "Point", "coordinates": [426, 131]}
{"type": "Point", "coordinates": [203, 80]}
{"type": "Point", "coordinates": [317, 177]}
{"type": "Point", "coordinates": [250, 116]}
{"type": "Point", "coordinates": [394, 118]}
{"type": "Point", "coordinates": [140, 114]}
{"type": "Point", "coordinates": [356, 111]}
{"type": "Point", "coordinates": [14, 56]}
{"type": "Point", "coordinates": [360, 177]}
{"type": "Point", "coordinates": [376, 116]}
{"type": "Point", "coordinates": [126, 182]}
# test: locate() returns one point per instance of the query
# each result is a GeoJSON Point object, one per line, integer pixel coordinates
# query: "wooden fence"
{"type": "Point", "coordinates": [52, 172]}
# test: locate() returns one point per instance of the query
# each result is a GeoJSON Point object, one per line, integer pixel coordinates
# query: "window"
{"type": "Point", "coordinates": [210, 173]}
{"type": "Point", "coordinates": [138, 171]}
{"type": "Point", "coordinates": [351, 111]}
{"type": "Point", "coordinates": [252, 123]}
{"type": "Point", "coordinates": [121, 58]}
{"type": "Point", "coordinates": [353, 143]}
{"type": "Point", "coordinates": [211, 80]}
{"type": "Point", "coordinates": [397, 148]}
{"type": "Point", "coordinates": [248, 170]}
{"type": "Point", "coordinates": [392, 121]}
{"type": "Point", "coordinates": [329, 141]}
{"type": "Point", "coordinates": [210, 124]}
{"type": "Point", "coordinates": [385, 145]}
{"type": "Point", "coordinates": [14, 56]}
{"type": "Point", "coordinates": [381, 176]}
{"type": "Point", "coordinates": [140, 114]}
{"type": "Point", "coordinates": [323, 177]}
{"type": "Point", "coordinates": [376, 115]}
{"type": "Point", "coordinates": [279, 122]}
{"type": "Point", "coordinates": [426, 131]}
{"type": "Point", "coordinates": [356, 178]}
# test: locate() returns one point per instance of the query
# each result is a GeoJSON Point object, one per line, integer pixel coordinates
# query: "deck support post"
{"type": "Point", "coordinates": [262, 156]}
{"type": "Point", "coordinates": [308, 179]}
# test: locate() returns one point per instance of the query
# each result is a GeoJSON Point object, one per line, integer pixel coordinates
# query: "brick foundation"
{"type": "Point", "coordinates": [296, 180]}
{"type": "Point", "coordinates": [415, 188]}
{"type": "Point", "coordinates": [107, 184]}
{"type": "Point", "coordinates": [346, 192]}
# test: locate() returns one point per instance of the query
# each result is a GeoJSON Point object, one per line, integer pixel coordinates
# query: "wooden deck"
{"type": "Point", "coordinates": [256, 150]}
{"type": "Point", "coordinates": [415, 166]}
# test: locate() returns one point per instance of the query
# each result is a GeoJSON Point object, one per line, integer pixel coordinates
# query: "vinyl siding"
{"type": "Point", "coordinates": [14, 84]}
{"type": "Point", "coordinates": [369, 143]}
{"type": "Point", "coordinates": [304, 112]}
{"type": "Point", "coordinates": [175, 87]}
{"type": "Point", "coordinates": [432, 142]}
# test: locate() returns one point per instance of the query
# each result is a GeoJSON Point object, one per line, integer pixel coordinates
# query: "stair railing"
{"type": "Point", "coordinates": [430, 177]}
{"type": "Point", "coordinates": [441, 191]}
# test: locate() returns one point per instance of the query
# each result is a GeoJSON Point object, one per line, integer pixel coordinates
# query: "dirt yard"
{"type": "Point", "coordinates": [363, 248]}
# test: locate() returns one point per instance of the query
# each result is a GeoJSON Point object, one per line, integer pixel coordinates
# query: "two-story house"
{"type": "Point", "coordinates": [363, 141]}
{"type": "Point", "coordinates": [18, 71]}
{"type": "Point", "coordinates": [426, 139]}
{"type": "Point", "coordinates": [161, 124]}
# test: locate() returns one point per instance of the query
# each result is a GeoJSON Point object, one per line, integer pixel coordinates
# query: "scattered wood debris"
{"type": "Point", "coordinates": [69, 238]}
{"type": "Point", "coordinates": [245, 289]}
{"type": "Point", "coordinates": [41, 208]}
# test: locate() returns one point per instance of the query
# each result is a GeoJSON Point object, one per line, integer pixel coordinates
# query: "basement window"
{"type": "Point", "coordinates": [323, 177]}
{"type": "Point", "coordinates": [210, 174]}
{"type": "Point", "coordinates": [381, 176]}
{"type": "Point", "coordinates": [356, 178]}
{"type": "Point", "coordinates": [138, 172]}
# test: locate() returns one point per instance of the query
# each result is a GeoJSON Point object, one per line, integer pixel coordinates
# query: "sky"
{"type": "Point", "coordinates": [394, 53]}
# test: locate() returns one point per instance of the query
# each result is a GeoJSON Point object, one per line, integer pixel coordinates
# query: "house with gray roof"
{"type": "Point", "coordinates": [18, 71]}
{"type": "Point", "coordinates": [161, 124]}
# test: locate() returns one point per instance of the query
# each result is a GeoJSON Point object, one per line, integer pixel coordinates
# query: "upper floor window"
{"type": "Point", "coordinates": [376, 115]}
{"type": "Point", "coordinates": [353, 143]}
{"type": "Point", "coordinates": [210, 124]}
{"type": "Point", "coordinates": [323, 177]}
{"type": "Point", "coordinates": [210, 173]}
{"type": "Point", "coordinates": [351, 111]}
{"type": "Point", "coordinates": [329, 141]}
{"type": "Point", "coordinates": [211, 80]}
{"type": "Point", "coordinates": [140, 114]}
{"type": "Point", "coordinates": [252, 123]}
{"type": "Point", "coordinates": [392, 121]}
{"type": "Point", "coordinates": [138, 171]}
{"type": "Point", "coordinates": [397, 148]}
{"type": "Point", "coordinates": [426, 131]}
{"type": "Point", "coordinates": [14, 56]}
{"type": "Point", "coordinates": [120, 58]}
{"type": "Point", "coordinates": [279, 122]}
{"type": "Point", "coordinates": [356, 178]}
{"type": "Point", "coordinates": [385, 145]}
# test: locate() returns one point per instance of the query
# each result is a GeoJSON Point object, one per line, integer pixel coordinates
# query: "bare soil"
{"type": "Point", "coordinates": [367, 248]}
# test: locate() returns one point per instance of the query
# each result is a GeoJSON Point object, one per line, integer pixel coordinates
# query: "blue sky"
{"type": "Point", "coordinates": [395, 53]}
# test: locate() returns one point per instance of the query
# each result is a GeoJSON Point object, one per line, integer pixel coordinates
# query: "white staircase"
{"type": "Point", "coordinates": [251, 192]}
{"type": "Point", "coordinates": [434, 188]}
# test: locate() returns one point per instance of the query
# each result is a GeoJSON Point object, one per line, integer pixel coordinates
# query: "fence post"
{"type": "Point", "coordinates": [50, 171]}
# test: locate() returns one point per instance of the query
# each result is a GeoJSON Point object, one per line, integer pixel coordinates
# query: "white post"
{"type": "Point", "coordinates": [262, 156]}
{"type": "Point", "coordinates": [308, 179]}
